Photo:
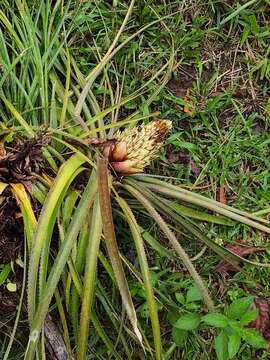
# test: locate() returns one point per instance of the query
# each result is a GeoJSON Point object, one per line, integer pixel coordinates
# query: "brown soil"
{"type": "Point", "coordinates": [185, 79]}
{"type": "Point", "coordinates": [10, 300]}
{"type": "Point", "coordinates": [11, 229]}
{"type": "Point", "coordinates": [11, 247]}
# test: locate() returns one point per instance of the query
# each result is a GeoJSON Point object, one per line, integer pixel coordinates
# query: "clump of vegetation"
{"type": "Point", "coordinates": [90, 94]}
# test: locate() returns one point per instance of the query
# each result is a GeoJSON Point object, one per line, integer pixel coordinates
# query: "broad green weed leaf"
{"type": "Point", "coordinates": [179, 336]}
{"type": "Point", "coordinates": [239, 307]}
{"type": "Point", "coordinates": [180, 298]}
{"type": "Point", "coordinates": [216, 320]}
{"type": "Point", "coordinates": [221, 346]}
{"type": "Point", "coordinates": [248, 317]}
{"type": "Point", "coordinates": [253, 338]}
{"type": "Point", "coordinates": [172, 316]}
{"type": "Point", "coordinates": [188, 322]}
{"type": "Point", "coordinates": [4, 273]}
{"type": "Point", "coordinates": [193, 294]}
{"type": "Point", "coordinates": [234, 344]}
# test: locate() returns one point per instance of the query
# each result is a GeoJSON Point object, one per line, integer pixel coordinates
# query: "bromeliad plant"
{"type": "Point", "coordinates": [110, 188]}
{"type": "Point", "coordinates": [96, 175]}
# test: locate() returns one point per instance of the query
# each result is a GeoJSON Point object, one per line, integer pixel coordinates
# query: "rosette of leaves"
{"type": "Point", "coordinates": [85, 220]}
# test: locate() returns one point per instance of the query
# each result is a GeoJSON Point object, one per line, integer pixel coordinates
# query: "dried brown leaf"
{"type": "Point", "coordinates": [221, 195]}
{"type": "Point", "coordinates": [262, 322]}
{"type": "Point", "coordinates": [225, 268]}
{"type": "Point", "coordinates": [181, 157]}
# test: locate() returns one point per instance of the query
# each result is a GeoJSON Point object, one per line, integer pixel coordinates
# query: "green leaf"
{"type": "Point", "coordinates": [253, 338]}
{"type": "Point", "coordinates": [239, 307]}
{"type": "Point", "coordinates": [235, 325]}
{"type": "Point", "coordinates": [191, 197]}
{"type": "Point", "coordinates": [188, 322]}
{"type": "Point", "coordinates": [221, 346]}
{"type": "Point", "coordinates": [193, 294]}
{"type": "Point", "coordinates": [59, 263]}
{"type": "Point", "coordinates": [148, 205]}
{"type": "Point", "coordinates": [12, 287]}
{"type": "Point", "coordinates": [9, 138]}
{"type": "Point", "coordinates": [216, 320]}
{"type": "Point", "coordinates": [200, 215]}
{"type": "Point", "coordinates": [18, 116]}
{"type": "Point", "coordinates": [172, 316]}
{"type": "Point", "coordinates": [144, 311]}
{"type": "Point", "coordinates": [155, 244]}
{"type": "Point", "coordinates": [248, 317]}
{"type": "Point", "coordinates": [180, 298]}
{"type": "Point", "coordinates": [175, 139]}
{"type": "Point", "coordinates": [45, 226]}
{"type": "Point", "coordinates": [88, 293]}
{"type": "Point", "coordinates": [179, 336]}
{"type": "Point", "coordinates": [4, 273]}
{"type": "Point", "coordinates": [234, 344]}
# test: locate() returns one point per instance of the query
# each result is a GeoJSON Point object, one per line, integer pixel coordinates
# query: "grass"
{"type": "Point", "coordinates": [204, 65]}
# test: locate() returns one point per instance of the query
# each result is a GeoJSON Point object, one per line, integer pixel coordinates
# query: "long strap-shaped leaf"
{"type": "Point", "coordinates": [46, 224]}
{"type": "Point", "coordinates": [206, 204]}
{"type": "Point", "coordinates": [29, 218]}
{"type": "Point", "coordinates": [111, 244]}
{"type": "Point", "coordinates": [193, 197]}
{"type": "Point", "coordinates": [82, 209]}
{"type": "Point", "coordinates": [175, 244]}
{"type": "Point", "coordinates": [23, 198]}
{"type": "Point", "coordinates": [89, 279]}
{"type": "Point", "coordinates": [135, 230]}
{"type": "Point", "coordinates": [168, 211]}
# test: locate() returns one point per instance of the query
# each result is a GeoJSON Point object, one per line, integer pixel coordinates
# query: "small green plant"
{"type": "Point", "coordinates": [232, 324]}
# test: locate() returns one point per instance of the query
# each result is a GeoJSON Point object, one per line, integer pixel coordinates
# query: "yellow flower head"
{"type": "Point", "coordinates": [133, 149]}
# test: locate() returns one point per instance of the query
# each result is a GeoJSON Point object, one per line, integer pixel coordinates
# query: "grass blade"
{"type": "Point", "coordinates": [102, 333]}
{"type": "Point", "coordinates": [236, 12]}
{"type": "Point", "coordinates": [97, 70]}
{"type": "Point", "coordinates": [18, 116]}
